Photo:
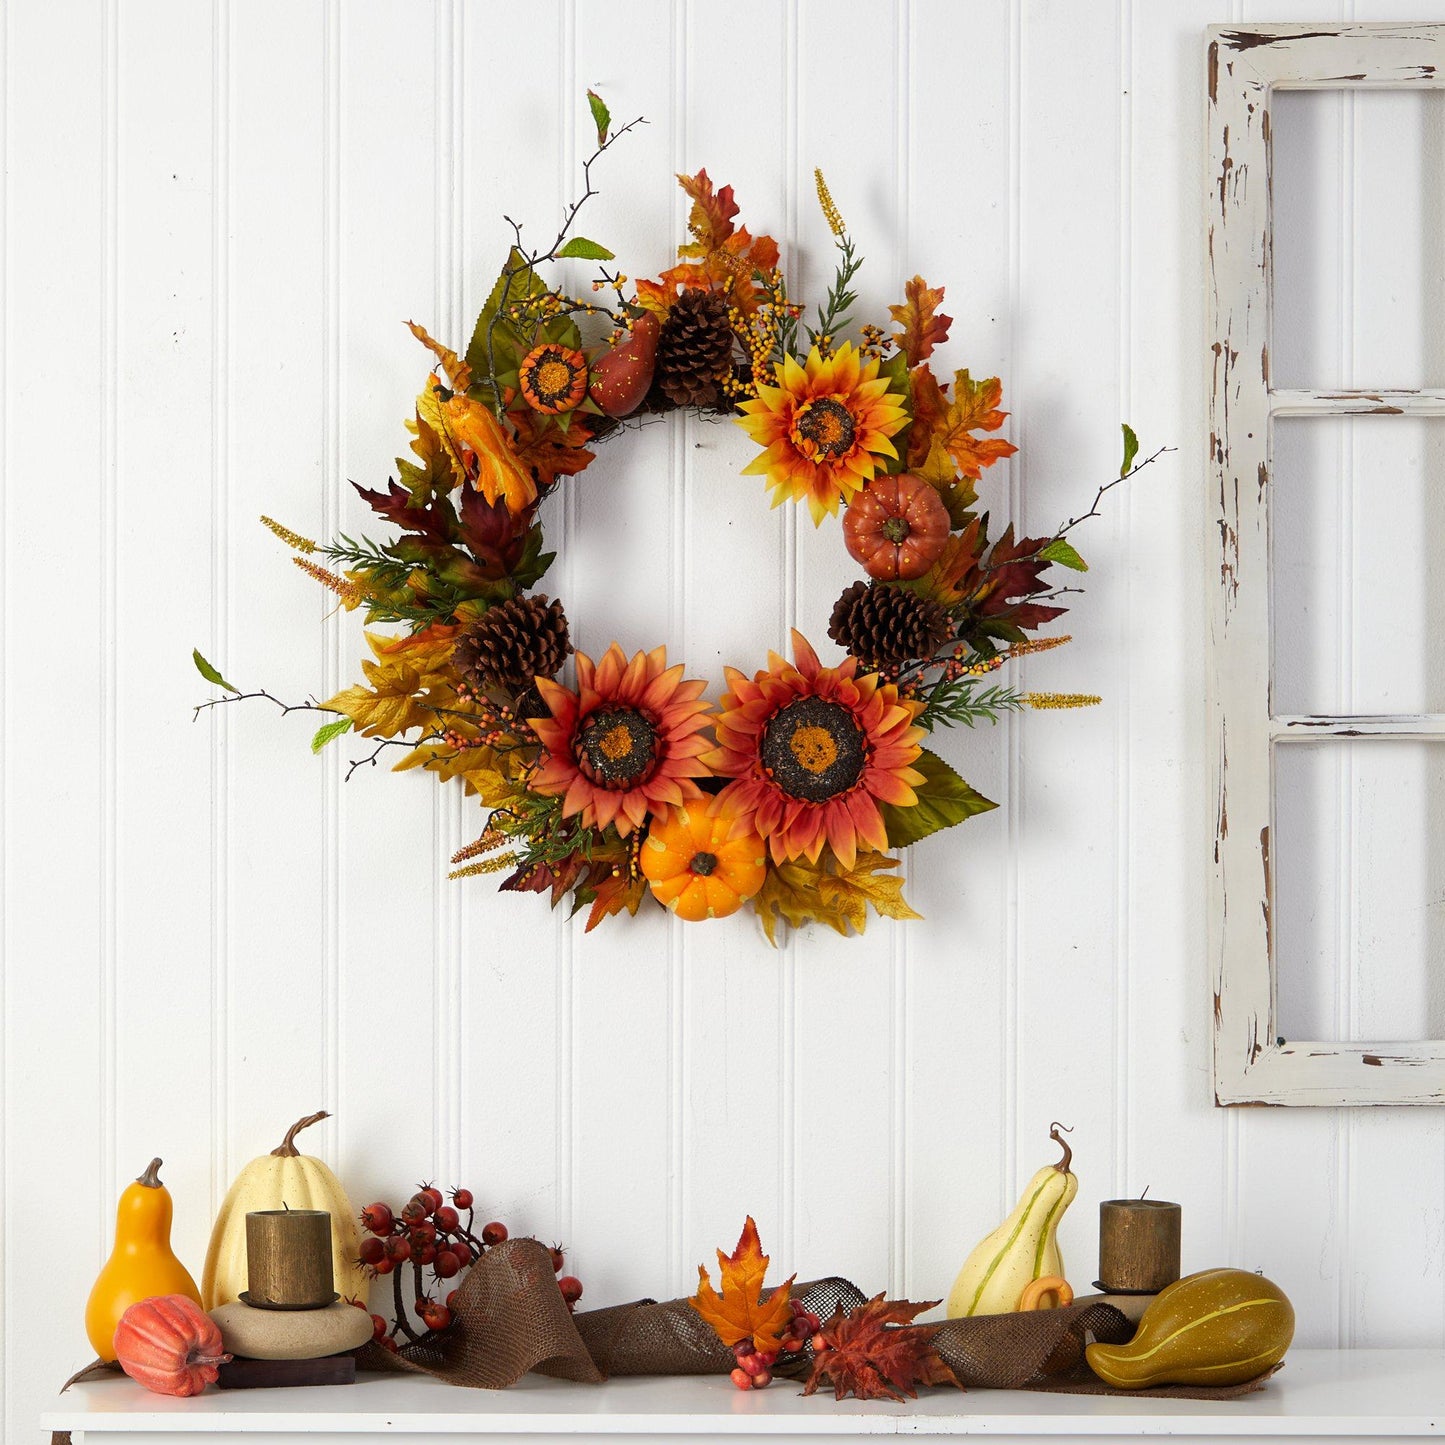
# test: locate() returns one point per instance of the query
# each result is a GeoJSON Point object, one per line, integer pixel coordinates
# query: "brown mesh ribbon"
{"type": "Point", "coordinates": [510, 1319]}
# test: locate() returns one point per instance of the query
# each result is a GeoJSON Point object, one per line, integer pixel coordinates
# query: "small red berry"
{"type": "Point", "coordinates": [447, 1218]}
{"type": "Point", "coordinates": [452, 1299]}
{"type": "Point", "coordinates": [432, 1198]}
{"type": "Point", "coordinates": [762, 1380]}
{"type": "Point", "coordinates": [744, 1348]}
{"type": "Point", "coordinates": [378, 1327]}
{"type": "Point", "coordinates": [377, 1218]}
{"type": "Point", "coordinates": [754, 1364]}
{"type": "Point", "coordinates": [459, 1248]}
{"type": "Point", "coordinates": [819, 1343]}
{"type": "Point", "coordinates": [446, 1264]}
{"type": "Point", "coordinates": [384, 1265]}
{"type": "Point", "coordinates": [462, 1198]}
{"type": "Point", "coordinates": [372, 1249]}
{"type": "Point", "coordinates": [399, 1247]}
{"type": "Point", "coordinates": [571, 1288]}
{"type": "Point", "coordinates": [415, 1210]}
{"type": "Point", "coordinates": [493, 1233]}
{"type": "Point", "coordinates": [559, 1259]}
{"type": "Point", "coordinates": [425, 1253]}
{"type": "Point", "coordinates": [741, 1379]}
{"type": "Point", "coordinates": [423, 1233]}
{"type": "Point", "coordinates": [435, 1316]}
{"type": "Point", "coordinates": [387, 1343]}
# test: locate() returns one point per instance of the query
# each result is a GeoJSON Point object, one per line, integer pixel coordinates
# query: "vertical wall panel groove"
{"type": "Point", "coordinates": [6, 916]}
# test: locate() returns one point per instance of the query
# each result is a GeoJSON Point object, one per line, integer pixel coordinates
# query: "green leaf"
{"type": "Point", "coordinates": [523, 283]}
{"type": "Point", "coordinates": [944, 799]}
{"type": "Point", "coordinates": [600, 115]}
{"type": "Point", "coordinates": [210, 674]}
{"type": "Point", "coordinates": [579, 248]}
{"type": "Point", "coordinates": [1062, 551]}
{"type": "Point", "coordinates": [1131, 450]}
{"type": "Point", "coordinates": [327, 732]}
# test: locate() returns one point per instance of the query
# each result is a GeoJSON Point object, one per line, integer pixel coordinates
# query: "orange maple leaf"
{"type": "Point", "coordinates": [974, 407]}
{"type": "Point", "coordinates": [711, 218]}
{"type": "Point", "coordinates": [923, 325]}
{"type": "Point", "coordinates": [720, 256]}
{"type": "Point", "coordinates": [740, 1312]}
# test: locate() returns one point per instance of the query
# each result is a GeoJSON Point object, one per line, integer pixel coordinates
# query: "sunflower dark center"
{"type": "Point", "coordinates": [824, 429]}
{"type": "Point", "coordinates": [616, 747]}
{"type": "Point", "coordinates": [814, 749]}
{"type": "Point", "coordinates": [551, 375]}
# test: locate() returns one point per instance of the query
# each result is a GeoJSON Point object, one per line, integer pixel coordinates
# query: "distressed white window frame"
{"type": "Point", "coordinates": [1245, 65]}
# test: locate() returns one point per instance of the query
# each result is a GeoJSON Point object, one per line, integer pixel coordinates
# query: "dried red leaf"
{"type": "Point", "coordinates": [875, 1352]}
{"type": "Point", "coordinates": [923, 325]}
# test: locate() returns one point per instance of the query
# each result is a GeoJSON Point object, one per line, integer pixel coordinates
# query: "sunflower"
{"type": "Point", "coordinates": [824, 428]}
{"type": "Point", "coordinates": [553, 378]}
{"type": "Point", "coordinates": [625, 743]}
{"type": "Point", "coordinates": [812, 752]}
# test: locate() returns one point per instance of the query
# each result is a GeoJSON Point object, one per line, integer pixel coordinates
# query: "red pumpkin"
{"type": "Point", "coordinates": [622, 374]}
{"type": "Point", "coordinates": [896, 527]}
{"type": "Point", "coordinates": [170, 1345]}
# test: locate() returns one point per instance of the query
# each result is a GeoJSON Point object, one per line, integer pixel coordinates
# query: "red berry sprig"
{"type": "Point", "coordinates": [431, 1234]}
{"type": "Point", "coordinates": [754, 1369]}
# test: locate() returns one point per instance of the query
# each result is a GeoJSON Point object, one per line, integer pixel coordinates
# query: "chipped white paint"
{"type": "Point", "coordinates": [1245, 65]}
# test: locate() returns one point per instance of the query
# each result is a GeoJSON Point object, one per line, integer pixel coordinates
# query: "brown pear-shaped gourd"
{"type": "Point", "coordinates": [1218, 1327]}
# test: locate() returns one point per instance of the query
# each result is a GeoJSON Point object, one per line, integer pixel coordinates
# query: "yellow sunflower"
{"type": "Point", "coordinates": [824, 427]}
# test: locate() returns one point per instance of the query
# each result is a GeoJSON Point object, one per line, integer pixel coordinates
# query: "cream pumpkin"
{"type": "Point", "coordinates": [283, 1179]}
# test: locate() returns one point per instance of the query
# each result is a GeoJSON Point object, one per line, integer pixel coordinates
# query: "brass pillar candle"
{"type": "Point", "coordinates": [1138, 1245]}
{"type": "Point", "coordinates": [288, 1259]}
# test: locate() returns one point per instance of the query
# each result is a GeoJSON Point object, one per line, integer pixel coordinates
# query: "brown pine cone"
{"type": "Point", "coordinates": [880, 624]}
{"type": "Point", "coordinates": [695, 350]}
{"type": "Point", "coordinates": [512, 642]}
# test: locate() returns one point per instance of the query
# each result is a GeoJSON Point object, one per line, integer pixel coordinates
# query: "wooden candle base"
{"type": "Point", "coordinates": [244, 1374]}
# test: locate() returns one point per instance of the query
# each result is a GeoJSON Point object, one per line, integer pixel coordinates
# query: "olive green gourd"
{"type": "Point", "coordinates": [1217, 1327]}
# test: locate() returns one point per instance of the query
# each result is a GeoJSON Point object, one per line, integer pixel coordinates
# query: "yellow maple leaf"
{"type": "Point", "coordinates": [855, 890]}
{"type": "Point", "coordinates": [739, 1311]}
{"type": "Point", "coordinates": [405, 668]}
{"type": "Point", "coordinates": [478, 769]}
{"type": "Point", "coordinates": [974, 407]}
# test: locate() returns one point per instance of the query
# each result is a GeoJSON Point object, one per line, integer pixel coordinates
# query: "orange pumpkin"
{"type": "Point", "coordinates": [169, 1345]}
{"type": "Point", "coordinates": [694, 869]}
{"type": "Point", "coordinates": [896, 527]}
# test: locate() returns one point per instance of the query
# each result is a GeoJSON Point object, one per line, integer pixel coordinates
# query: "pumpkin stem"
{"type": "Point", "coordinates": [1063, 1165]}
{"type": "Point", "coordinates": [287, 1148]}
{"type": "Point", "coordinates": [152, 1177]}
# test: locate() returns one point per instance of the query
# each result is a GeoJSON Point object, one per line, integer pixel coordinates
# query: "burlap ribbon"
{"type": "Point", "coordinates": [510, 1319]}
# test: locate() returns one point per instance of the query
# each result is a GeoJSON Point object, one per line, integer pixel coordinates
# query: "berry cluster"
{"type": "Point", "coordinates": [754, 1370]}
{"type": "Point", "coordinates": [430, 1234]}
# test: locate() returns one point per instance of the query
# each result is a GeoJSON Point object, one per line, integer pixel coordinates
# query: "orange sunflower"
{"type": "Point", "coordinates": [625, 743]}
{"type": "Point", "coordinates": [812, 752]}
{"type": "Point", "coordinates": [824, 428]}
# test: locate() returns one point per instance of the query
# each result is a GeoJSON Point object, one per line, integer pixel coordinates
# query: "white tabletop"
{"type": "Point", "coordinates": [1319, 1392]}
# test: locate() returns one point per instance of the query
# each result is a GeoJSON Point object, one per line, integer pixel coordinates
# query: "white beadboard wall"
{"type": "Point", "coordinates": [216, 219]}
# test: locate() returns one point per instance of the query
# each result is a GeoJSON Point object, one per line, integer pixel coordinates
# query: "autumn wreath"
{"type": "Point", "coordinates": [626, 783]}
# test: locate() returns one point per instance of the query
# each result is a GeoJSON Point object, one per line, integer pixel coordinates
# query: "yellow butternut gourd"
{"type": "Point", "coordinates": [1023, 1248]}
{"type": "Point", "coordinates": [141, 1263]}
{"type": "Point", "coordinates": [283, 1179]}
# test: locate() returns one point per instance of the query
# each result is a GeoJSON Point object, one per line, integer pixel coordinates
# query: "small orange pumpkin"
{"type": "Point", "coordinates": [693, 867]}
{"type": "Point", "coordinates": [170, 1345]}
{"type": "Point", "coordinates": [896, 527]}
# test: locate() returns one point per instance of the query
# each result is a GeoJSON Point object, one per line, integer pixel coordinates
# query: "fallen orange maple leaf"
{"type": "Point", "coordinates": [739, 1311]}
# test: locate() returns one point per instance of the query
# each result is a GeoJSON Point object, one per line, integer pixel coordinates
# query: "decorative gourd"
{"type": "Point", "coordinates": [694, 869]}
{"type": "Point", "coordinates": [623, 373]}
{"type": "Point", "coordinates": [1023, 1248]}
{"type": "Point", "coordinates": [1048, 1292]}
{"type": "Point", "coordinates": [283, 1179]}
{"type": "Point", "coordinates": [169, 1345]}
{"type": "Point", "coordinates": [1217, 1327]}
{"type": "Point", "coordinates": [141, 1263]}
{"type": "Point", "coordinates": [896, 527]}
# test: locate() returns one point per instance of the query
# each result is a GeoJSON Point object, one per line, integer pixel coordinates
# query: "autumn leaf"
{"type": "Point", "coordinates": [720, 256]}
{"type": "Point", "coordinates": [405, 669]}
{"type": "Point", "coordinates": [958, 493]}
{"type": "Point", "coordinates": [944, 799]}
{"type": "Point", "coordinates": [974, 407]}
{"type": "Point", "coordinates": [876, 1352]}
{"type": "Point", "coordinates": [851, 892]}
{"type": "Point", "coordinates": [458, 373]}
{"type": "Point", "coordinates": [739, 1311]}
{"type": "Point", "coordinates": [711, 218]}
{"type": "Point", "coordinates": [923, 325]}
{"type": "Point", "coordinates": [611, 894]}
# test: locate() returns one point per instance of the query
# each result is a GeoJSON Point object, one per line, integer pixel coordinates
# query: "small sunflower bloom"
{"type": "Point", "coordinates": [553, 378]}
{"type": "Point", "coordinates": [626, 743]}
{"type": "Point", "coordinates": [812, 752]}
{"type": "Point", "coordinates": [824, 428]}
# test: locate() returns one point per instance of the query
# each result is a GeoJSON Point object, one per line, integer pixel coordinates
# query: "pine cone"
{"type": "Point", "coordinates": [886, 625]}
{"type": "Point", "coordinates": [695, 350]}
{"type": "Point", "coordinates": [512, 642]}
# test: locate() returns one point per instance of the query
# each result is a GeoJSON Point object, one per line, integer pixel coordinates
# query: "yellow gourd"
{"type": "Point", "coordinates": [141, 1263]}
{"type": "Point", "coordinates": [283, 1179]}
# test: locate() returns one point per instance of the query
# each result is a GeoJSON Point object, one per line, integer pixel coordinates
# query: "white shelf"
{"type": "Point", "coordinates": [1377, 1393]}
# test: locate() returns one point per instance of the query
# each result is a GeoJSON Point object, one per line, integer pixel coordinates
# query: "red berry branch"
{"type": "Point", "coordinates": [754, 1370]}
{"type": "Point", "coordinates": [430, 1234]}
